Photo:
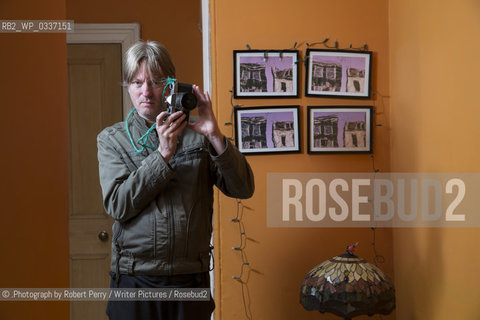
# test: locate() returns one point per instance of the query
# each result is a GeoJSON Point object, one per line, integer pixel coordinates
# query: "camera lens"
{"type": "Point", "coordinates": [188, 100]}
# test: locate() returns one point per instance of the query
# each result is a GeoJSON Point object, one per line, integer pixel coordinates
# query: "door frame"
{"type": "Point", "coordinates": [207, 86]}
{"type": "Point", "coordinates": [207, 75]}
{"type": "Point", "coordinates": [125, 34]}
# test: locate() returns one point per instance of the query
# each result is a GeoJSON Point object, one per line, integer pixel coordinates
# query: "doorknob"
{"type": "Point", "coordinates": [103, 236]}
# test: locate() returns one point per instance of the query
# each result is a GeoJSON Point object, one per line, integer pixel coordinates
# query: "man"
{"type": "Point", "coordinates": [157, 173]}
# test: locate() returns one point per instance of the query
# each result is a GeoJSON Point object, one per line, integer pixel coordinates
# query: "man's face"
{"type": "Point", "coordinates": [146, 93]}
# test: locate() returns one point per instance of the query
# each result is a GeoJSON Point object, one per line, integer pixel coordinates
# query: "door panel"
{"type": "Point", "coordinates": [95, 102]}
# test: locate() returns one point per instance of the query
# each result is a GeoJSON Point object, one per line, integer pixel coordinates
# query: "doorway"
{"type": "Point", "coordinates": [95, 102]}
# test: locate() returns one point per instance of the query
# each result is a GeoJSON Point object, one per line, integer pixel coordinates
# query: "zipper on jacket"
{"type": "Point", "coordinates": [155, 236]}
{"type": "Point", "coordinates": [172, 237]}
{"type": "Point", "coordinates": [189, 151]}
{"type": "Point", "coordinates": [188, 231]}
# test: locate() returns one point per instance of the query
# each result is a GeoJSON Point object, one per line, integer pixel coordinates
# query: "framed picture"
{"type": "Point", "coordinates": [260, 130]}
{"type": "Point", "coordinates": [339, 129]}
{"type": "Point", "coordinates": [338, 73]}
{"type": "Point", "coordinates": [265, 74]}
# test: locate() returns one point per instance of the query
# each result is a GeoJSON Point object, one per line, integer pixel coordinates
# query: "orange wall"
{"type": "Point", "coordinates": [176, 24]}
{"type": "Point", "coordinates": [280, 257]}
{"type": "Point", "coordinates": [34, 187]}
{"type": "Point", "coordinates": [434, 116]}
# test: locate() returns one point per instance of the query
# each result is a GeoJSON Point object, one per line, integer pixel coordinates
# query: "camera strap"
{"type": "Point", "coordinates": [142, 140]}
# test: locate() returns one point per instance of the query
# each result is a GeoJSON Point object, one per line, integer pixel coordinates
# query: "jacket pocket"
{"type": "Point", "coordinates": [138, 234]}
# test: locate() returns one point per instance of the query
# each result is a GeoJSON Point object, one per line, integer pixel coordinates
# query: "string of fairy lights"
{"type": "Point", "coordinates": [377, 258]}
{"type": "Point", "coordinates": [244, 270]}
{"type": "Point", "coordinates": [243, 276]}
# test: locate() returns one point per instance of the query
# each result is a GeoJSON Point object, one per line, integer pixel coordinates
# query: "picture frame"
{"type": "Point", "coordinates": [334, 129]}
{"type": "Point", "coordinates": [338, 73]}
{"type": "Point", "coordinates": [265, 74]}
{"type": "Point", "coordinates": [263, 130]}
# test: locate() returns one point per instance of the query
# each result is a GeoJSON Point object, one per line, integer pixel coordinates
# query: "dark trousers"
{"type": "Point", "coordinates": [161, 310]}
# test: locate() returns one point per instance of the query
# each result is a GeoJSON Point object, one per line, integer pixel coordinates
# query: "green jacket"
{"type": "Point", "coordinates": [163, 211]}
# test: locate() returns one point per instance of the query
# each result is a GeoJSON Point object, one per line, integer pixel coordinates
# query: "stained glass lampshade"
{"type": "Point", "coordinates": [348, 286]}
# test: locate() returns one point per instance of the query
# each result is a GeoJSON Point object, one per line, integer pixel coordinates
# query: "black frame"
{"type": "Point", "coordinates": [263, 130]}
{"type": "Point", "coordinates": [265, 55]}
{"type": "Point", "coordinates": [334, 72]}
{"type": "Point", "coordinates": [327, 137]}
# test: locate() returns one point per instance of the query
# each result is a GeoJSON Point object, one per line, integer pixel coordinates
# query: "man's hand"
{"type": "Point", "coordinates": [168, 132]}
{"type": "Point", "coordinates": [206, 123]}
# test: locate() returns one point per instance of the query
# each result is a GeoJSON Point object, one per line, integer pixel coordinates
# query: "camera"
{"type": "Point", "coordinates": [181, 98]}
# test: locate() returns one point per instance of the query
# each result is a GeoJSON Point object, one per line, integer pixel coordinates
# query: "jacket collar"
{"type": "Point", "coordinates": [139, 123]}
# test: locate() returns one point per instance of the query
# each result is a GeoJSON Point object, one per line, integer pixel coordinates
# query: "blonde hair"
{"type": "Point", "coordinates": [157, 61]}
